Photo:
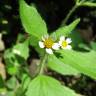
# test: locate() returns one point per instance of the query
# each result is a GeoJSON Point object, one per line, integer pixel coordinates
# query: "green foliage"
{"type": "Point", "coordinates": [15, 57]}
{"type": "Point", "coordinates": [93, 45]}
{"type": "Point", "coordinates": [10, 93]}
{"type": "Point", "coordinates": [31, 20]}
{"type": "Point", "coordinates": [33, 24]}
{"type": "Point", "coordinates": [33, 41]}
{"type": "Point", "coordinates": [21, 49]}
{"type": "Point", "coordinates": [47, 86]}
{"type": "Point", "coordinates": [2, 86]}
{"type": "Point", "coordinates": [67, 29]}
{"type": "Point", "coordinates": [57, 65]}
{"type": "Point", "coordinates": [66, 62]}
{"type": "Point", "coordinates": [11, 62]}
{"type": "Point", "coordinates": [80, 59]}
{"type": "Point", "coordinates": [83, 61]}
{"type": "Point", "coordinates": [25, 81]}
{"type": "Point", "coordinates": [12, 83]}
{"type": "Point", "coordinates": [1, 82]}
{"type": "Point", "coordinates": [76, 38]}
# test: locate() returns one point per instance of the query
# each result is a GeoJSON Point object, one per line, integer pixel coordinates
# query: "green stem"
{"type": "Point", "coordinates": [69, 14]}
{"type": "Point", "coordinates": [81, 3]}
{"type": "Point", "coordinates": [78, 3]}
{"type": "Point", "coordinates": [42, 63]}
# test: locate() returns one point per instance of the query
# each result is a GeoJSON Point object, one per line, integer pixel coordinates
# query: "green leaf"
{"type": "Point", "coordinates": [76, 38]}
{"type": "Point", "coordinates": [10, 93]}
{"type": "Point", "coordinates": [21, 49]}
{"type": "Point", "coordinates": [1, 82]}
{"type": "Point", "coordinates": [19, 91]}
{"type": "Point", "coordinates": [47, 86]}
{"type": "Point", "coordinates": [31, 20]}
{"type": "Point", "coordinates": [85, 62]}
{"type": "Point", "coordinates": [34, 42]}
{"type": "Point", "coordinates": [55, 64]}
{"type": "Point", "coordinates": [12, 69]}
{"type": "Point", "coordinates": [3, 91]}
{"type": "Point", "coordinates": [12, 83]}
{"type": "Point", "coordinates": [12, 65]}
{"type": "Point", "coordinates": [67, 29]}
{"type": "Point", "coordinates": [25, 81]}
{"type": "Point", "coordinates": [89, 4]}
{"type": "Point", "coordinates": [21, 37]}
{"type": "Point", "coordinates": [93, 45]}
{"type": "Point", "coordinates": [13, 62]}
{"type": "Point", "coordinates": [2, 86]}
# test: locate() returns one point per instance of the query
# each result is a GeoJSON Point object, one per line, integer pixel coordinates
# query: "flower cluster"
{"type": "Point", "coordinates": [49, 44]}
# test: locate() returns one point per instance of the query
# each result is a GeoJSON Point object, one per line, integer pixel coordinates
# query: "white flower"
{"type": "Point", "coordinates": [49, 44]}
{"type": "Point", "coordinates": [65, 43]}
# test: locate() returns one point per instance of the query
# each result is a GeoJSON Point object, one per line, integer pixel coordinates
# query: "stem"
{"type": "Point", "coordinates": [69, 14]}
{"type": "Point", "coordinates": [78, 3]}
{"type": "Point", "coordinates": [42, 63]}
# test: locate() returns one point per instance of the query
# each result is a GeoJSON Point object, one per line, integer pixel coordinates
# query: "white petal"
{"type": "Point", "coordinates": [41, 44]}
{"type": "Point", "coordinates": [60, 43]}
{"type": "Point", "coordinates": [49, 51]}
{"type": "Point", "coordinates": [46, 36]}
{"type": "Point", "coordinates": [55, 46]}
{"type": "Point", "coordinates": [69, 47]}
{"type": "Point", "coordinates": [43, 38]}
{"type": "Point", "coordinates": [16, 51]}
{"type": "Point", "coordinates": [62, 38]}
{"type": "Point", "coordinates": [68, 40]}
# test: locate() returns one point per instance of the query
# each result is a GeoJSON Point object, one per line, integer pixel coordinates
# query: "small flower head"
{"type": "Point", "coordinates": [65, 42]}
{"type": "Point", "coordinates": [49, 44]}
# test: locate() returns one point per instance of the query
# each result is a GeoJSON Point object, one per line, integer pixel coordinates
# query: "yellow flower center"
{"type": "Point", "coordinates": [48, 43]}
{"type": "Point", "coordinates": [64, 44]}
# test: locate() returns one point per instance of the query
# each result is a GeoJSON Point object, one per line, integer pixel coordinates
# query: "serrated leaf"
{"type": "Point", "coordinates": [83, 61]}
{"type": "Point", "coordinates": [55, 64]}
{"type": "Point", "coordinates": [67, 29]}
{"type": "Point", "coordinates": [31, 20]}
{"type": "Point", "coordinates": [47, 86]}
